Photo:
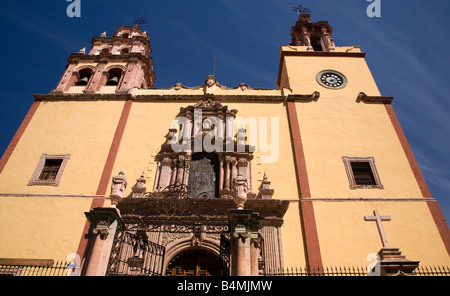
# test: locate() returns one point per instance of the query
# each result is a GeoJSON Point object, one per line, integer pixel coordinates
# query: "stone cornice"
{"type": "Point", "coordinates": [82, 97]}
{"type": "Point", "coordinates": [209, 208]}
{"type": "Point", "coordinates": [173, 96]}
{"type": "Point", "coordinates": [323, 54]}
{"type": "Point", "coordinates": [105, 57]}
{"type": "Point", "coordinates": [144, 39]}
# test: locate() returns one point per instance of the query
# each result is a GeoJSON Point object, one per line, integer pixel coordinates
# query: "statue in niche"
{"type": "Point", "coordinates": [118, 186]}
{"type": "Point", "coordinates": [240, 188]}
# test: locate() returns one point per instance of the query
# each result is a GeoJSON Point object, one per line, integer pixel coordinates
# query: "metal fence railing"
{"type": "Point", "coordinates": [59, 268]}
{"type": "Point", "coordinates": [353, 271]}
{"type": "Point", "coordinates": [432, 271]}
{"type": "Point", "coordinates": [326, 271]}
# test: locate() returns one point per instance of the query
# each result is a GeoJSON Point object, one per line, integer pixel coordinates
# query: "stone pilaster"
{"type": "Point", "coordinates": [101, 235]}
{"type": "Point", "coordinates": [245, 241]}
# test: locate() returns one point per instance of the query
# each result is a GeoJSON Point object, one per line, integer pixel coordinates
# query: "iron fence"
{"type": "Point", "coordinates": [62, 268]}
{"type": "Point", "coordinates": [59, 268]}
{"type": "Point", "coordinates": [432, 271]}
{"type": "Point", "coordinates": [353, 271]}
{"type": "Point", "coordinates": [325, 271]}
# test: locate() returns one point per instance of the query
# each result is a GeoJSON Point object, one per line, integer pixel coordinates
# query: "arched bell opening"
{"type": "Point", "coordinates": [114, 76]}
{"type": "Point", "coordinates": [84, 76]}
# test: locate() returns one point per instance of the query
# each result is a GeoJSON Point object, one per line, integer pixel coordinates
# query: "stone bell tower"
{"type": "Point", "coordinates": [113, 65]}
{"type": "Point", "coordinates": [315, 36]}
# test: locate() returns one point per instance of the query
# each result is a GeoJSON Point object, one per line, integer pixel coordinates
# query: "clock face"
{"type": "Point", "coordinates": [331, 79]}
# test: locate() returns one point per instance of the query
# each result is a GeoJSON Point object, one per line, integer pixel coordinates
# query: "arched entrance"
{"type": "Point", "coordinates": [194, 262]}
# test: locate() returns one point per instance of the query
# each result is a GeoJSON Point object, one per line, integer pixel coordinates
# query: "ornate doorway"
{"type": "Point", "coordinates": [196, 262]}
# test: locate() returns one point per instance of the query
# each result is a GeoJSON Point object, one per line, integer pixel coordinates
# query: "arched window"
{"type": "Point", "coordinates": [203, 176]}
{"type": "Point", "coordinates": [105, 50]}
{"type": "Point", "coordinates": [83, 76]}
{"type": "Point", "coordinates": [125, 50]}
{"type": "Point", "coordinates": [114, 76]}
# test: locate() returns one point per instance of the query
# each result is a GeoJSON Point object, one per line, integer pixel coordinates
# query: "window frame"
{"type": "Point", "coordinates": [40, 166]}
{"type": "Point", "coordinates": [351, 178]}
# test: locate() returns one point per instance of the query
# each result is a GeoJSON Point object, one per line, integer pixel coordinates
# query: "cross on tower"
{"type": "Point", "coordinates": [139, 22]}
{"type": "Point", "coordinates": [378, 219]}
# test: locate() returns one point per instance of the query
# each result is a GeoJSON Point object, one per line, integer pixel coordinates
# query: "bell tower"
{"type": "Point", "coordinates": [312, 62]}
{"type": "Point", "coordinates": [315, 36]}
{"type": "Point", "coordinates": [113, 65]}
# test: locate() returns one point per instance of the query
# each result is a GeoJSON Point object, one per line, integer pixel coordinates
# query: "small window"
{"type": "Point", "coordinates": [362, 172]}
{"type": "Point", "coordinates": [49, 170]}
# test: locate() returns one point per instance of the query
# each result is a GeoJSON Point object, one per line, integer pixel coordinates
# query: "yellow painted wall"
{"type": "Point", "coordinates": [346, 239]}
{"type": "Point", "coordinates": [82, 129]}
{"type": "Point", "coordinates": [145, 132]}
{"type": "Point", "coordinates": [294, 254]}
{"type": "Point", "coordinates": [334, 127]}
{"type": "Point", "coordinates": [51, 227]}
{"type": "Point", "coordinates": [301, 72]}
{"type": "Point", "coordinates": [41, 227]}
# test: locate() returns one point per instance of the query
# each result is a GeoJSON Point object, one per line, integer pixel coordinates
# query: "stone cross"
{"type": "Point", "coordinates": [378, 219]}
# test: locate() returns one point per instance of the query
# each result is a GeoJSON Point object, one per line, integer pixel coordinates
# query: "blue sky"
{"type": "Point", "coordinates": [407, 51]}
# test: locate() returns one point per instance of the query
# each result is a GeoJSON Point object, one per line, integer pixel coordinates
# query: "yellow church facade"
{"type": "Point", "coordinates": [124, 176]}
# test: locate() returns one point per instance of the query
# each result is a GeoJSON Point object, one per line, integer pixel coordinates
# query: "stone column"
{"type": "Point", "coordinates": [245, 225]}
{"type": "Point", "coordinates": [67, 79]}
{"type": "Point", "coordinates": [101, 235]}
{"type": "Point", "coordinates": [227, 161]}
{"type": "Point", "coordinates": [255, 247]}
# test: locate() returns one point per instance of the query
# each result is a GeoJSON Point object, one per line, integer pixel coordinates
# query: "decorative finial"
{"type": "Point", "coordinates": [139, 189]}
{"type": "Point", "coordinates": [83, 50]}
{"type": "Point", "coordinates": [103, 34]}
{"type": "Point", "coordinates": [264, 190]}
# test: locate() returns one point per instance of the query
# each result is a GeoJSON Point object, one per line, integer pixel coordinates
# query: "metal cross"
{"type": "Point", "coordinates": [140, 21]}
{"type": "Point", "coordinates": [378, 219]}
{"type": "Point", "coordinates": [300, 10]}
